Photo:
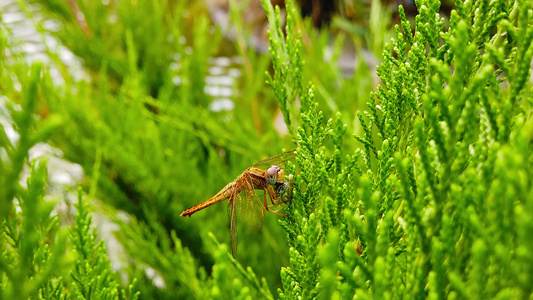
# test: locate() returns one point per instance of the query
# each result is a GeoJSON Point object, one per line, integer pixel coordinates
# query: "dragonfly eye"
{"type": "Point", "coordinates": [272, 174]}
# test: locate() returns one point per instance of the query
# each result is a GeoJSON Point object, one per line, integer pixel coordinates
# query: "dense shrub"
{"type": "Point", "coordinates": [419, 189]}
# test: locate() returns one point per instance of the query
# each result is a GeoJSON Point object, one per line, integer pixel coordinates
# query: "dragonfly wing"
{"type": "Point", "coordinates": [277, 159]}
{"type": "Point", "coordinates": [248, 207]}
{"type": "Point", "coordinates": [233, 223]}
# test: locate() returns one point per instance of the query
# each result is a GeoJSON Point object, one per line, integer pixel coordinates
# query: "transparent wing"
{"type": "Point", "coordinates": [245, 208]}
{"type": "Point", "coordinates": [233, 224]}
{"type": "Point", "coordinates": [248, 207]}
{"type": "Point", "coordinates": [277, 159]}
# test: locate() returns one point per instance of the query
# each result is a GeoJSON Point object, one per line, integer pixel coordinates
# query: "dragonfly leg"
{"type": "Point", "coordinates": [272, 195]}
{"type": "Point", "coordinates": [265, 201]}
{"type": "Point", "coordinates": [285, 199]}
{"type": "Point", "coordinates": [283, 192]}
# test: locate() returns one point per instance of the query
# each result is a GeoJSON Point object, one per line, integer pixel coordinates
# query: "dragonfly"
{"type": "Point", "coordinates": [267, 175]}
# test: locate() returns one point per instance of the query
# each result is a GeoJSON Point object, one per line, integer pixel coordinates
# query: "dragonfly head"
{"type": "Point", "coordinates": [274, 174]}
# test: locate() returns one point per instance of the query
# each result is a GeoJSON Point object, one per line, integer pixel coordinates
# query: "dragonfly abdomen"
{"type": "Point", "coordinates": [222, 195]}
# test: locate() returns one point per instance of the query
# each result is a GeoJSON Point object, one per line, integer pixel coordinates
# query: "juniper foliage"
{"type": "Point", "coordinates": [431, 198]}
{"type": "Point", "coordinates": [42, 257]}
{"type": "Point", "coordinates": [436, 202]}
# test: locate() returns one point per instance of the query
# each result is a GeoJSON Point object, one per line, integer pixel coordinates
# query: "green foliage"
{"type": "Point", "coordinates": [434, 205]}
{"type": "Point", "coordinates": [92, 273]}
{"type": "Point", "coordinates": [172, 264]}
{"type": "Point", "coordinates": [38, 260]}
{"type": "Point", "coordinates": [430, 199]}
{"type": "Point", "coordinates": [32, 243]}
{"type": "Point", "coordinates": [286, 60]}
{"type": "Point", "coordinates": [156, 148]}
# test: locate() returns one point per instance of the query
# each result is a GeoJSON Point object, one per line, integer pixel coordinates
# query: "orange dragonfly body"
{"type": "Point", "coordinates": [243, 201]}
